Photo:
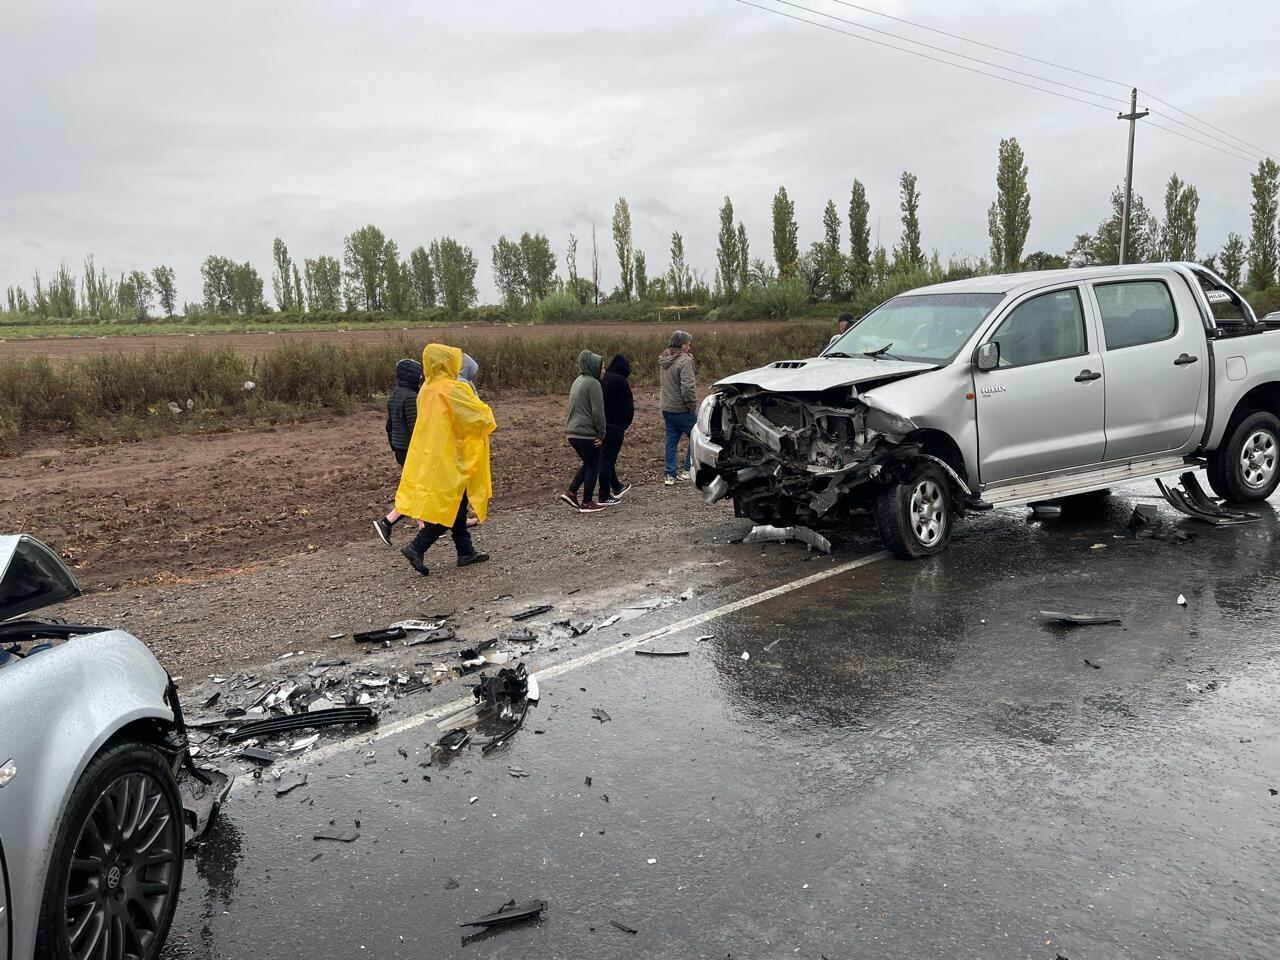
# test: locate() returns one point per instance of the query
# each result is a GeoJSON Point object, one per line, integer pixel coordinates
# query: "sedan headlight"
{"type": "Point", "coordinates": [705, 409]}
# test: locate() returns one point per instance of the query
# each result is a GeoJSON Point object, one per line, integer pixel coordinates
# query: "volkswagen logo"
{"type": "Point", "coordinates": [113, 878]}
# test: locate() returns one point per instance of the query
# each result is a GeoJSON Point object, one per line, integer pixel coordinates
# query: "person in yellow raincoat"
{"type": "Point", "coordinates": [447, 466]}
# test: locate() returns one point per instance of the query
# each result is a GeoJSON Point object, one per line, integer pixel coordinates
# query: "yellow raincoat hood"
{"type": "Point", "coordinates": [449, 452]}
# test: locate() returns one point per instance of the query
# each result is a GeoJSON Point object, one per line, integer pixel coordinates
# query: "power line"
{"type": "Point", "coordinates": [1203, 143]}
{"type": "Point", "coordinates": [952, 53]}
{"type": "Point", "coordinates": [980, 43]}
{"type": "Point", "coordinates": [925, 56]}
{"type": "Point", "coordinates": [1063, 66]}
{"type": "Point", "coordinates": [1208, 136]}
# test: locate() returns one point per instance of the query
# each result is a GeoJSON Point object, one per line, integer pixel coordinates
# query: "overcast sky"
{"type": "Point", "coordinates": [149, 132]}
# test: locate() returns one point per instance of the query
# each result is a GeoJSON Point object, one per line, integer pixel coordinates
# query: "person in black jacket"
{"type": "Point", "coordinates": [402, 413]}
{"type": "Point", "coordinates": [619, 411]}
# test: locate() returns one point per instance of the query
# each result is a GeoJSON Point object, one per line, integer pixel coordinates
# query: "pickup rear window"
{"type": "Point", "coordinates": [1135, 312]}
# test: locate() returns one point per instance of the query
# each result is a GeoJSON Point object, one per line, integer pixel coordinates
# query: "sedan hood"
{"type": "Point", "coordinates": [818, 374]}
{"type": "Point", "coordinates": [31, 576]}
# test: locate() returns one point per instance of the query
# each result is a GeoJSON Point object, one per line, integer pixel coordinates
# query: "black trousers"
{"type": "Point", "coordinates": [609, 482]}
{"type": "Point", "coordinates": [432, 532]}
{"type": "Point", "coordinates": [589, 472]}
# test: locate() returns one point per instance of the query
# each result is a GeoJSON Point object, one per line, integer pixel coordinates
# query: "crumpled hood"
{"type": "Point", "coordinates": [818, 374]}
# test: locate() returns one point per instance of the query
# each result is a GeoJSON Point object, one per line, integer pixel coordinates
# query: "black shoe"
{"type": "Point", "coordinates": [415, 560]}
{"type": "Point", "coordinates": [477, 556]}
{"type": "Point", "coordinates": [384, 530]}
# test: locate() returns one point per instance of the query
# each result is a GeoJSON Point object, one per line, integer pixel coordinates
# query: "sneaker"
{"type": "Point", "coordinates": [668, 481]}
{"type": "Point", "coordinates": [682, 475]}
{"type": "Point", "coordinates": [384, 530]}
{"type": "Point", "coordinates": [619, 494]}
{"type": "Point", "coordinates": [415, 559]}
{"type": "Point", "coordinates": [589, 506]}
{"type": "Point", "coordinates": [608, 501]}
{"type": "Point", "coordinates": [476, 556]}
{"type": "Point", "coordinates": [570, 498]}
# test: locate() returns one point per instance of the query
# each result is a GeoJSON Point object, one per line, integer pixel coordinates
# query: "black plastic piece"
{"type": "Point", "coordinates": [379, 636]}
{"type": "Point", "coordinates": [531, 612]}
{"type": "Point", "coordinates": [509, 912]}
{"type": "Point", "coordinates": [300, 721]}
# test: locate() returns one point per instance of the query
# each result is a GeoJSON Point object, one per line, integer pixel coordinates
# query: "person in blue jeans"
{"type": "Point", "coordinates": [679, 400]}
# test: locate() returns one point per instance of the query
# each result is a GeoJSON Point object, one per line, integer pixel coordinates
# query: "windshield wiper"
{"type": "Point", "coordinates": [842, 356]}
{"type": "Point", "coordinates": [882, 352]}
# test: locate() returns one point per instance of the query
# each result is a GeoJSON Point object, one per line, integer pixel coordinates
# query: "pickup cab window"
{"type": "Point", "coordinates": [1047, 327]}
{"type": "Point", "coordinates": [928, 327]}
{"type": "Point", "coordinates": [1135, 312]}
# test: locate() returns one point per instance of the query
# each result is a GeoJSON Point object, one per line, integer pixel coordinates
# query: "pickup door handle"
{"type": "Point", "coordinates": [1183, 360]}
{"type": "Point", "coordinates": [1084, 376]}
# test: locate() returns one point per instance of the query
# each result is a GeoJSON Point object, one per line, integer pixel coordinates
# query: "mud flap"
{"type": "Point", "coordinates": [1189, 497]}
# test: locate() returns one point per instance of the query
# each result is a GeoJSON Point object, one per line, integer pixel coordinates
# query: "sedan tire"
{"type": "Point", "coordinates": [914, 517]}
{"type": "Point", "coordinates": [117, 861]}
{"type": "Point", "coordinates": [1246, 467]}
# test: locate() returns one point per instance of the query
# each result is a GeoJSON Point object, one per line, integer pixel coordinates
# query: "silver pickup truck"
{"type": "Point", "coordinates": [1003, 390]}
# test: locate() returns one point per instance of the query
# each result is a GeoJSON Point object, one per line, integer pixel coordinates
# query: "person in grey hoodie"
{"type": "Point", "coordinates": [584, 428]}
{"type": "Point", "coordinates": [679, 399]}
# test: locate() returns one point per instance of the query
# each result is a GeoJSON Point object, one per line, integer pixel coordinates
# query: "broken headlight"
{"type": "Point", "coordinates": [888, 422]}
{"type": "Point", "coordinates": [705, 410]}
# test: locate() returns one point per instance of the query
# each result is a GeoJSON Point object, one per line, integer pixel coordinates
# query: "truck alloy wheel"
{"type": "Point", "coordinates": [1258, 459]}
{"type": "Point", "coordinates": [914, 515]}
{"type": "Point", "coordinates": [1246, 466]}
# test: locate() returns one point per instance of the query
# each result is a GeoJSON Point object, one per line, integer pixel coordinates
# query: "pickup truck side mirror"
{"type": "Point", "coordinates": [988, 356]}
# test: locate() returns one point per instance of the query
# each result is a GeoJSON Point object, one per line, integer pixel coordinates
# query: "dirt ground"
{"type": "Point", "coordinates": [224, 552]}
{"type": "Point", "coordinates": [250, 344]}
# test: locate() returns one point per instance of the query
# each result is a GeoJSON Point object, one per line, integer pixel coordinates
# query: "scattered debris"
{"type": "Point", "coordinates": [502, 691]}
{"type": "Point", "coordinates": [473, 800]}
{"type": "Point", "coordinates": [338, 834]}
{"type": "Point", "coordinates": [531, 612]}
{"type": "Point", "coordinates": [259, 755]}
{"type": "Point", "coordinates": [304, 744]}
{"type": "Point", "coordinates": [579, 627]}
{"type": "Point", "coordinates": [768, 647]}
{"type": "Point", "coordinates": [435, 635]}
{"type": "Point", "coordinates": [1098, 546]}
{"type": "Point", "coordinates": [517, 772]}
{"type": "Point", "coordinates": [1274, 791]}
{"type": "Point", "coordinates": [202, 790]}
{"type": "Point", "coordinates": [623, 927]}
{"type": "Point", "coordinates": [662, 653]}
{"type": "Point", "coordinates": [1079, 619]}
{"type": "Point", "coordinates": [588, 781]}
{"type": "Point", "coordinates": [609, 621]}
{"type": "Point", "coordinates": [509, 913]}
{"type": "Point", "coordinates": [212, 699]}
{"type": "Point", "coordinates": [289, 784]}
{"type": "Point", "coordinates": [320, 718]}
{"type": "Point", "coordinates": [598, 714]}
{"type": "Point", "coordinates": [705, 637]}
{"type": "Point", "coordinates": [746, 655]}
{"type": "Point", "coordinates": [451, 884]}
{"type": "Point", "coordinates": [523, 635]}
{"type": "Point", "coordinates": [652, 861]}
{"type": "Point", "coordinates": [1145, 520]}
{"type": "Point", "coordinates": [1182, 601]}
{"type": "Point", "coordinates": [453, 740]}
{"type": "Point", "coordinates": [380, 636]}
{"type": "Point", "coordinates": [764, 533]}
{"type": "Point", "coordinates": [1190, 498]}
{"type": "Point", "coordinates": [1090, 663]}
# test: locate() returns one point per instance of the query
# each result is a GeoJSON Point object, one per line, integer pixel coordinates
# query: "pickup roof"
{"type": "Point", "coordinates": [1001, 390]}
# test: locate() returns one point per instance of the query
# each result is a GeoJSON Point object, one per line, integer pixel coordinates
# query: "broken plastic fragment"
{"type": "Point", "coordinates": [764, 533]}
{"type": "Point", "coordinates": [598, 714]}
{"type": "Point", "coordinates": [304, 743]}
{"type": "Point", "coordinates": [531, 612]}
{"type": "Point", "coordinates": [509, 913]}
{"type": "Point", "coordinates": [1182, 601]}
{"type": "Point", "coordinates": [288, 784]}
{"type": "Point", "coordinates": [746, 655]}
{"type": "Point", "coordinates": [258, 755]}
{"type": "Point", "coordinates": [622, 926]}
{"type": "Point", "coordinates": [453, 740]}
{"type": "Point", "coordinates": [1079, 619]}
{"type": "Point", "coordinates": [662, 653]}
{"type": "Point", "coordinates": [335, 833]}
{"type": "Point", "coordinates": [379, 636]}
{"type": "Point", "coordinates": [609, 621]}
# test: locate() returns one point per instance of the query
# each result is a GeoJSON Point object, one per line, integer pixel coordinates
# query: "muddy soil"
{"type": "Point", "coordinates": [250, 344]}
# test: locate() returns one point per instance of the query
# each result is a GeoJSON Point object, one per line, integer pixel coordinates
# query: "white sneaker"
{"type": "Point", "coordinates": [682, 475]}
{"type": "Point", "coordinates": [668, 481]}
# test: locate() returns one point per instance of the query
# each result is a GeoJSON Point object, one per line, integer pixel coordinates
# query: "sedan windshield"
{"type": "Point", "coordinates": [929, 327]}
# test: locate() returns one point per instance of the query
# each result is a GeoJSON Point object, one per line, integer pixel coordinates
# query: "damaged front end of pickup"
{"type": "Point", "coordinates": [799, 458]}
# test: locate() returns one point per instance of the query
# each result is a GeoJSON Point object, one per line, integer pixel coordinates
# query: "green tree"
{"type": "Point", "coordinates": [744, 258]}
{"type": "Point", "coordinates": [455, 267]}
{"type": "Point", "coordinates": [281, 278]}
{"type": "Point", "coordinates": [1178, 238]}
{"type": "Point", "coordinates": [300, 304]}
{"type": "Point", "coordinates": [1009, 217]}
{"type": "Point", "coordinates": [727, 252]}
{"type": "Point", "coordinates": [907, 254]}
{"type": "Point", "coordinates": [679, 277]}
{"type": "Point", "coordinates": [642, 277]}
{"type": "Point", "coordinates": [622, 244]}
{"type": "Point", "coordinates": [879, 266]}
{"type": "Point", "coordinates": [365, 255]}
{"type": "Point", "coordinates": [539, 264]}
{"type": "Point", "coordinates": [94, 284]}
{"type": "Point", "coordinates": [323, 279]}
{"type": "Point", "coordinates": [571, 262]}
{"type": "Point", "coordinates": [246, 289]}
{"type": "Point", "coordinates": [60, 295]}
{"type": "Point", "coordinates": [786, 236]}
{"type": "Point", "coordinates": [143, 291]}
{"type": "Point", "coordinates": [1144, 233]}
{"type": "Point", "coordinates": [400, 298]}
{"type": "Point", "coordinates": [859, 236]}
{"type": "Point", "coordinates": [1231, 259]}
{"type": "Point", "coordinates": [508, 273]}
{"type": "Point", "coordinates": [424, 281]}
{"type": "Point", "coordinates": [215, 272]}
{"type": "Point", "coordinates": [1040, 260]}
{"type": "Point", "coordinates": [834, 266]}
{"type": "Point", "coordinates": [1263, 252]}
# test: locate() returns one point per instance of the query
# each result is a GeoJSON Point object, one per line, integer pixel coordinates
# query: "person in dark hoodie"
{"type": "Point", "coordinates": [584, 428]}
{"type": "Point", "coordinates": [619, 411]}
{"type": "Point", "coordinates": [402, 413]}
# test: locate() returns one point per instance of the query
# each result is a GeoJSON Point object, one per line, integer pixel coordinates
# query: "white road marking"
{"type": "Point", "coordinates": [320, 754]}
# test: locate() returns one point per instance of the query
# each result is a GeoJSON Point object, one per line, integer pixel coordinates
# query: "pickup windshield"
{"type": "Point", "coordinates": [929, 327]}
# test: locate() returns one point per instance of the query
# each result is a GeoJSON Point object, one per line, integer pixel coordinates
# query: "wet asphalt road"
{"type": "Point", "coordinates": [910, 764]}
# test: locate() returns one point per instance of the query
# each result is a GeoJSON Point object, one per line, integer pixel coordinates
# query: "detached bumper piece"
{"type": "Point", "coordinates": [202, 793]}
{"type": "Point", "coordinates": [768, 534]}
{"type": "Point", "coordinates": [1189, 497]}
{"type": "Point", "coordinates": [301, 721]}
{"type": "Point", "coordinates": [509, 913]}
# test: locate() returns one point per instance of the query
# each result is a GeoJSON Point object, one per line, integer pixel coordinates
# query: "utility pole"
{"type": "Point", "coordinates": [1133, 116]}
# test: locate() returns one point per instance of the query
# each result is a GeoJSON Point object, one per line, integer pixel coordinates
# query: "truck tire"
{"type": "Point", "coordinates": [124, 818]}
{"type": "Point", "coordinates": [914, 517]}
{"type": "Point", "coordinates": [1246, 466]}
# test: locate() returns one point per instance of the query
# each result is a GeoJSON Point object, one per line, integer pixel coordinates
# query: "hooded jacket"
{"type": "Point", "coordinates": [402, 405]}
{"type": "Point", "coordinates": [468, 372]}
{"type": "Point", "coordinates": [585, 419]}
{"type": "Point", "coordinates": [619, 405]}
{"type": "Point", "coordinates": [449, 452]}
{"type": "Point", "coordinates": [679, 392]}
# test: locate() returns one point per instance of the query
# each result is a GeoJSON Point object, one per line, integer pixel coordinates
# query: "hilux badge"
{"type": "Point", "coordinates": [987, 391]}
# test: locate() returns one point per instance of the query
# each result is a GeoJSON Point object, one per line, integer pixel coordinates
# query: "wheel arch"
{"type": "Point", "coordinates": [938, 444]}
{"type": "Point", "coordinates": [1264, 396]}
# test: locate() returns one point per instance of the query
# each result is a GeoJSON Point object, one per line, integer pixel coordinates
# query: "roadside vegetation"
{"type": "Point", "coordinates": [116, 396]}
{"type": "Point", "coordinates": [370, 282]}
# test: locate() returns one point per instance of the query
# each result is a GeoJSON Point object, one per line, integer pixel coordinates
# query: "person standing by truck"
{"type": "Point", "coordinates": [679, 400]}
